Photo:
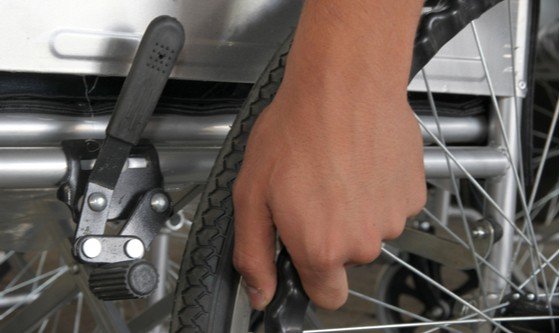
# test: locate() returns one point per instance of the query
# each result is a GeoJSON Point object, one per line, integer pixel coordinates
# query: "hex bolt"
{"type": "Point", "coordinates": [97, 201]}
{"type": "Point", "coordinates": [134, 248]}
{"type": "Point", "coordinates": [159, 202]}
{"type": "Point", "coordinates": [91, 247]}
{"type": "Point", "coordinates": [531, 297]}
{"type": "Point", "coordinates": [516, 296]}
{"type": "Point", "coordinates": [479, 232]}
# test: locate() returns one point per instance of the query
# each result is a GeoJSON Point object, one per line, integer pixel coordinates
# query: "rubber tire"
{"type": "Point", "coordinates": [207, 281]}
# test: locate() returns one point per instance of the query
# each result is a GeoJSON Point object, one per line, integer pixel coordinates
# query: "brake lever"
{"type": "Point", "coordinates": [156, 55]}
{"type": "Point", "coordinates": [286, 311]}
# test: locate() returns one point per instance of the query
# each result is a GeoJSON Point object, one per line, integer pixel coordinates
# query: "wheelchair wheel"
{"type": "Point", "coordinates": [511, 288]}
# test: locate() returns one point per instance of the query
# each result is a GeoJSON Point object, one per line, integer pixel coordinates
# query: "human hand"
{"type": "Point", "coordinates": [334, 165]}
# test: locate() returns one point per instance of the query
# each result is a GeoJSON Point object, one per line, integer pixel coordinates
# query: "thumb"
{"type": "Point", "coordinates": [254, 249]}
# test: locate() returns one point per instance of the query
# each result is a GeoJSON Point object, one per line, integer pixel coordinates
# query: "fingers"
{"type": "Point", "coordinates": [326, 284]}
{"type": "Point", "coordinates": [254, 249]}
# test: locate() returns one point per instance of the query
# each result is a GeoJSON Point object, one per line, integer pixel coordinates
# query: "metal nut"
{"type": "Point", "coordinates": [97, 201]}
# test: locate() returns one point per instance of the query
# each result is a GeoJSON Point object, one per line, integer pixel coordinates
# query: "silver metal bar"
{"type": "Point", "coordinates": [442, 288]}
{"type": "Point", "coordinates": [463, 130]}
{"type": "Point", "coordinates": [503, 191]}
{"type": "Point", "coordinates": [11, 300]}
{"type": "Point", "coordinates": [432, 323]}
{"type": "Point", "coordinates": [53, 294]}
{"type": "Point", "coordinates": [46, 167]}
{"type": "Point", "coordinates": [39, 130]}
{"type": "Point", "coordinates": [480, 162]}
{"type": "Point", "coordinates": [159, 257]}
{"type": "Point", "coordinates": [33, 130]}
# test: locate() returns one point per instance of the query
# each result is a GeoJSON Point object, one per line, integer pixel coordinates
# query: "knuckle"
{"type": "Point", "coordinates": [367, 250]}
{"type": "Point", "coordinates": [395, 227]}
{"type": "Point", "coordinates": [393, 233]}
{"type": "Point", "coordinates": [325, 260]}
{"type": "Point", "coordinates": [367, 254]}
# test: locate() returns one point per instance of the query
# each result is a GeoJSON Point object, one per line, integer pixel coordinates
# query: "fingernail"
{"type": "Point", "coordinates": [257, 298]}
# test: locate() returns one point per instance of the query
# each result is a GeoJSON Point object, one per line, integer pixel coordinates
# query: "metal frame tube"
{"type": "Point", "coordinates": [504, 191]}
{"type": "Point", "coordinates": [46, 167]}
{"type": "Point", "coordinates": [39, 130]}
{"type": "Point", "coordinates": [159, 257]}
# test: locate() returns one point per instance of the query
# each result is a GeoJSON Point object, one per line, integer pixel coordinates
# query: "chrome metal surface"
{"type": "Point", "coordinates": [159, 202]}
{"type": "Point", "coordinates": [92, 222]}
{"type": "Point", "coordinates": [188, 165]}
{"type": "Point", "coordinates": [91, 248]}
{"type": "Point", "coordinates": [7, 301]}
{"type": "Point", "coordinates": [159, 256]}
{"type": "Point", "coordinates": [504, 191]}
{"type": "Point", "coordinates": [134, 248]}
{"type": "Point", "coordinates": [462, 130]}
{"type": "Point", "coordinates": [241, 313]}
{"type": "Point", "coordinates": [36, 130]}
{"type": "Point", "coordinates": [31, 168]}
{"type": "Point", "coordinates": [480, 162]}
{"type": "Point", "coordinates": [26, 168]}
{"type": "Point", "coordinates": [226, 40]}
{"type": "Point", "coordinates": [97, 201]}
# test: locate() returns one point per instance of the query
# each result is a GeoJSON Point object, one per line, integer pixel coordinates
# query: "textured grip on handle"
{"type": "Point", "coordinates": [161, 44]}
{"type": "Point", "coordinates": [286, 312]}
{"type": "Point", "coordinates": [123, 280]}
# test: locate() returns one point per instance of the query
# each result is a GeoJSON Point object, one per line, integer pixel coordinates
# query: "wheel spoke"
{"type": "Point", "coordinates": [455, 187]}
{"type": "Point", "coordinates": [23, 271]}
{"type": "Point", "coordinates": [387, 305]}
{"type": "Point", "coordinates": [36, 291]}
{"type": "Point", "coordinates": [470, 315]}
{"type": "Point", "coordinates": [78, 314]}
{"type": "Point", "coordinates": [31, 281]}
{"type": "Point", "coordinates": [482, 260]}
{"type": "Point", "coordinates": [443, 289]}
{"type": "Point", "coordinates": [513, 164]}
{"type": "Point", "coordinates": [539, 269]}
{"type": "Point", "coordinates": [497, 321]}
